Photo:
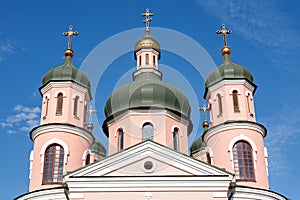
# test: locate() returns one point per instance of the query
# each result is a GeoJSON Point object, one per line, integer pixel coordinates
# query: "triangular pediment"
{"type": "Point", "coordinates": [148, 159]}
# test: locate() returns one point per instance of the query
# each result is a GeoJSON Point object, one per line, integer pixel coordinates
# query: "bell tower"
{"type": "Point", "coordinates": [234, 140]}
{"type": "Point", "coordinates": [61, 140]}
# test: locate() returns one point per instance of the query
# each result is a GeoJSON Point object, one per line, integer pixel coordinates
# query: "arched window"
{"type": "Point", "coordinates": [120, 133]}
{"type": "Point", "coordinates": [220, 108]}
{"type": "Point", "coordinates": [154, 63]}
{"type": "Point", "coordinates": [59, 104]}
{"type": "Point", "coordinates": [243, 161]}
{"type": "Point", "coordinates": [147, 59]}
{"type": "Point", "coordinates": [176, 139]}
{"type": "Point", "coordinates": [53, 164]}
{"type": "Point", "coordinates": [235, 101]}
{"type": "Point", "coordinates": [148, 131]}
{"type": "Point", "coordinates": [75, 106]}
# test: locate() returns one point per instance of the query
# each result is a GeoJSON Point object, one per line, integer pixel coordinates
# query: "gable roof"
{"type": "Point", "coordinates": [184, 164]}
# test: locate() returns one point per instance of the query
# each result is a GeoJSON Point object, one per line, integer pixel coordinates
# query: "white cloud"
{"type": "Point", "coordinates": [6, 47]}
{"type": "Point", "coordinates": [24, 119]}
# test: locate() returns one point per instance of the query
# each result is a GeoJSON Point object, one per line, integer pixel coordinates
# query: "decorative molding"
{"type": "Point", "coordinates": [63, 84]}
{"type": "Point", "coordinates": [245, 138]}
{"type": "Point", "coordinates": [62, 128]}
{"type": "Point", "coordinates": [175, 126]}
{"type": "Point", "coordinates": [60, 91]}
{"type": "Point", "coordinates": [50, 193]}
{"type": "Point", "coordinates": [243, 192]}
{"type": "Point", "coordinates": [54, 141]}
{"type": "Point", "coordinates": [234, 125]}
{"type": "Point", "coordinates": [122, 127]}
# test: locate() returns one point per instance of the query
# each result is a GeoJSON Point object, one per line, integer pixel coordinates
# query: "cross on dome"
{"type": "Point", "coordinates": [91, 111]}
{"type": "Point", "coordinates": [70, 34]}
{"type": "Point", "coordinates": [224, 32]}
{"type": "Point", "coordinates": [147, 14]}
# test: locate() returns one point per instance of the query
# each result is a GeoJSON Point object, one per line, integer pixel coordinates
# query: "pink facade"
{"type": "Point", "coordinates": [163, 123]}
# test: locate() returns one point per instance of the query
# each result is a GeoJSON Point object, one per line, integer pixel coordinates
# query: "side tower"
{"type": "Point", "coordinates": [147, 108]}
{"type": "Point", "coordinates": [234, 141]}
{"type": "Point", "coordinates": [61, 140]}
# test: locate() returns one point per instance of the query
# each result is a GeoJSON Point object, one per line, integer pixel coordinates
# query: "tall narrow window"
{"type": "Point", "coordinates": [53, 164]}
{"type": "Point", "coordinates": [75, 106]}
{"type": "Point", "coordinates": [59, 104]}
{"type": "Point", "coordinates": [147, 59]}
{"type": "Point", "coordinates": [46, 106]}
{"type": "Point", "coordinates": [88, 159]}
{"type": "Point", "coordinates": [154, 63]}
{"type": "Point", "coordinates": [220, 108]}
{"type": "Point", "coordinates": [235, 101]}
{"type": "Point", "coordinates": [140, 60]}
{"type": "Point", "coordinates": [243, 161]}
{"type": "Point", "coordinates": [120, 139]}
{"type": "Point", "coordinates": [148, 131]}
{"type": "Point", "coordinates": [176, 139]}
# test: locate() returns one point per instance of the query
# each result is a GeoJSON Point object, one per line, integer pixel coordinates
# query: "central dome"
{"type": "Point", "coordinates": [148, 94]}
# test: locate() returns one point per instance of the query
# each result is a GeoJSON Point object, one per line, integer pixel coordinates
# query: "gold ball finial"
{"type": "Point", "coordinates": [225, 50]}
{"type": "Point", "coordinates": [205, 124]}
{"type": "Point", "coordinates": [69, 52]}
{"type": "Point", "coordinates": [90, 127]}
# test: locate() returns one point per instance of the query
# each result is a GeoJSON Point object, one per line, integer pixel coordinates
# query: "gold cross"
{"type": "Point", "coordinates": [70, 34]}
{"type": "Point", "coordinates": [224, 32]}
{"type": "Point", "coordinates": [147, 20]}
{"type": "Point", "coordinates": [204, 109]}
{"type": "Point", "coordinates": [91, 111]}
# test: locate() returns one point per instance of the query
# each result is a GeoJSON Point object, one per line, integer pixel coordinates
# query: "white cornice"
{"type": "Point", "coordinates": [253, 193]}
{"type": "Point", "coordinates": [222, 83]}
{"type": "Point", "coordinates": [62, 128]}
{"type": "Point", "coordinates": [51, 193]}
{"type": "Point", "coordinates": [60, 84]}
{"type": "Point", "coordinates": [137, 112]}
{"type": "Point", "coordinates": [146, 183]}
{"type": "Point", "coordinates": [234, 125]}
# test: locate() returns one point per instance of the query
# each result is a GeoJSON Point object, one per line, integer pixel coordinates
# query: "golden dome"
{"type": "Point", "coordinates": [147, 42]}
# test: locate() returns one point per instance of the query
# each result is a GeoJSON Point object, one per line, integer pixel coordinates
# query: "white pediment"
{"type": "Point", "coordinates": [148, 159]}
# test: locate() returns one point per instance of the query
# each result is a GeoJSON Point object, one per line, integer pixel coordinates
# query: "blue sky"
{"type": "Point", "coordinates": [265, 39]}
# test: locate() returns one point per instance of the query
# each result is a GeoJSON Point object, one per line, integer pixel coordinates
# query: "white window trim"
{"type": "Point", "coordinates": [54, 141]}
{"type": "Point", "coordinates": [172, 130]}
{"type": "Point", "coordinates": [47, 96]}
{"type": "Point", "coordinates": [237, 89]}
{"type": "Point", "coordinates": [75, 95]}
{"type": "Point", "coordinates": [211, 154]}
{"type": "Point", "coordinates": [147, 121]}
{"type": "Point", "coordinates": [84, 155]}
{"type": "Point", "coordinates": [215, 95]}
{"type": "Point", "coordinates": [122, 127]}
{"type": "Point", "coordinates": [245, 138]}
{"type": "Point", "coordinates": [60, 91]}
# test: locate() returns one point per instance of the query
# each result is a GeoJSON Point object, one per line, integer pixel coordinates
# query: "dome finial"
{"type": "Point", "coordinates": [90, 125]}
{"type": "Point", "coordinates": [225, 49]}
{"type": "Point", "coordinates": [70, 33]}
{"type": "Point", "coordinates": [205, 124]}
{"type": "Point", "coordinates": [147, 14]}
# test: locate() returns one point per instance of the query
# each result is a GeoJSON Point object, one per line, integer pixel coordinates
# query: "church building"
{"type": "Point", "coordinates": [148, 126]}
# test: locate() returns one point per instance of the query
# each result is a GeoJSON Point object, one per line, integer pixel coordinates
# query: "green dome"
{"type": "Point", "coordinates": [66, 72]}
{"type": "Point", "coordinates": [147, 93]}
{"type": "Point", "coordinates": [197, 145]}
{"type": "Point", "coordinates": [97, 147]}
{"type": "Point", "coordinates": [228, 70]}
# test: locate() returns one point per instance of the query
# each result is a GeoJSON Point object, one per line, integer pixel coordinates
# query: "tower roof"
{"type": "Point", "coordinates": [227, 69]}
{"type": "Point", "coordinates": [67, 71]}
